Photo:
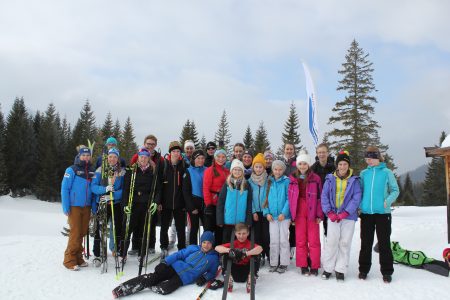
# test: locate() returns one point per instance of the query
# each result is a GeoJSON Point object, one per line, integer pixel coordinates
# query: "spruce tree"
{"type": "Point", "coordinates": [107, 128]}
{"type": "Point", "coordinates": [223, 134]}
{"type": "Point", "coordinates": [116, 131]}
{"type": "Point", "coordinates": [248, 140]}
{"type": "Point", "coordinates": [85, 128]}
{"type": "Point", "coordinates": [185, 132]}
{"type": "Point", "coordinates": [261, 141]}
{"type": "Point", "coordinates": [20, 148]}
{"type": "Point", "coordinates": [4, 188]}
{"type": "Point", "coordinates": [194, 134]}
{"type": "Point", "coordinates": [355, 129]}
{"type": "Point", "coordinates": [203, 143]}
{"type": "Point", "coordinates": [434, 189]}
{"type": "Point", "coordinates": [47, 186]}
{"type": "Point", "coordinates": [407, 197]}
{"type": "Point", "coordinates": [291, 133]}
{"type": "Point", "coordinates": [127, 146]}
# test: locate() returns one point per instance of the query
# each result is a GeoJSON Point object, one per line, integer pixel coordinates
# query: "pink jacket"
{"type": "Point", "coordinates": [313, 192]}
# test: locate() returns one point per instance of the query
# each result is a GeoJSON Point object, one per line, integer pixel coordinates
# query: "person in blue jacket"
{"type": "Point", "coordinates": [107, 183]}
{"type": "Point", "coordinates": [196, 263]}
{"type": "Point", "coordinates": [380, 190]}
{"type": "Point", "coordinates": [110, 143]}
{"type": "Point", "coordinates": [77, 203]}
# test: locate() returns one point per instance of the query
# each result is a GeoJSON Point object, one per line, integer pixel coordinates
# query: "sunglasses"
{"type": "Point", "coordinates": [211, 148]}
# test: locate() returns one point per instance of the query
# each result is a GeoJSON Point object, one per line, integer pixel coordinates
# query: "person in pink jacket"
{"type": "Point", "coordinates": [305, 188]}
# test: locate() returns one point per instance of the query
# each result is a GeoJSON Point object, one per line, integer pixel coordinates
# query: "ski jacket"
{"type": "Point", "coordinates": [209, 159]}
{"type": "Point", "coordinates": [99, 189]}
{"type": "Point", "coordinates": [143, 185]}
{"type": "Point", "coordinates": [259, 195]}
{"type": "Point", "coordinates": [233, 206]}
{"type": "Point", "coordinates": [290, 165]}
{"type": "Point", "coordinates": [76, 187]}
{"type": "Point", "coordinates": [157, 156]}
{"type": "Point", "coordinates": [172, 182]}
{"type": "Point", "coordinates": [277, 200]}
{"type": "Point", "coordinates": [352, 196]}
{"type": "Point", "coordinates": [193, 188]}
{"type": "Point", "coordinates": [323, 171]}
{"type": "Point", "coordinates": [212, 184]}
{"type": "Point", "coordinates": [98, 163]}
{"type": "Point", "coordinates": [379, 185]}
{"type": "Point", "coordinates": [190, 263]}
{"type": "Point", "coordinates": [313, 191]}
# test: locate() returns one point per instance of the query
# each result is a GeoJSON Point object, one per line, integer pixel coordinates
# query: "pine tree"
{"type": "Point", "coordinates": [291, 130]}
{"type": "Point", "coordinates": [4, 188]}
{"type": "Point", "coordinates": [85, 128]}
{"type": "Point", "coordinates": [354, 113]}
{"type": "Point", "coordinates": [248, 139]}
{"type": "Point", "coordinates": [47, 186]}
{"type": "Point", "coordinates": [128, 146]}
{"type": "Point", "coordinates": [203, 143]}
{"type": "Point", "coordinates": [107, 128]}
{"type": "Point", "coordinates": [116, 132]}
{"type": "Point", "coordinates": [185, 132]}
{"type": "Point", "coordinates": [20, 148]}
{"type": "Point", "coordinates": [435, 191]}
{"type": "Point", "coordinates": [261, 141]}
{"type": "Point", "coordinates": [194, 134]}
{"type": "Point", "coordinates": [223, 135]}
{"type": "Point", "coordinates": [407, 197]}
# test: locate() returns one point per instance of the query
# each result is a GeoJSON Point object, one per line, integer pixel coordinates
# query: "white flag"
{"type": "Point", "coordinates": [312, 106]}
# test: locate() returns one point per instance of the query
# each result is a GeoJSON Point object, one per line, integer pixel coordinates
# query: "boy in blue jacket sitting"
{"type": "Point", "coordinates": [196, 263]}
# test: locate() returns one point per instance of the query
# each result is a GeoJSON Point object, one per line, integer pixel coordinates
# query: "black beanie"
{"type": "Point", "coordinates": [343, 156]}
{"type": "Point", "coordinates": [211, 144]}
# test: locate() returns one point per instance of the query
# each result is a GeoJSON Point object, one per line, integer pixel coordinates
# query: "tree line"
{"type": "Point", "coordinates": [36, 149]}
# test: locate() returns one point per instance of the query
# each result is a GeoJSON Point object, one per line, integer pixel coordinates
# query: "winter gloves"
{"type": "Point", "coordinates": [237, 254]}
{"type": "Point", "coordinates": [201, 281]}
{"type": "Point", "coordinates": [337, 217]}
{"type": "Point", "coordinates": [109, 188]}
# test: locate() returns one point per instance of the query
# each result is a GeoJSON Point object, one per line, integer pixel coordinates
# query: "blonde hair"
{"type": "Point", "coordinates": [243, 183]}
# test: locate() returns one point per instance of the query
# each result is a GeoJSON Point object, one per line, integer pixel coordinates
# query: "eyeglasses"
{"type": "Point", "coordinates": [150, 144]}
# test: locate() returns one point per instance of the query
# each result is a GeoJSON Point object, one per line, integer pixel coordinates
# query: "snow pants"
{"type": "Point", "coordinates": [78, 220]}
{"type": "Point", "coordinates": [279, 242]}
{"type": "Point", "coordinates": [180, 223]}
{"type": "Point", "coordinates": [307, 237]}
{"type": "Point", "coordinates": [336, 253]}
{"type": "Point", "coordinates": [262, 234]}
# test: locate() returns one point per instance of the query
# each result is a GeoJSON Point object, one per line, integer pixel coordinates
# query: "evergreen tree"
{"type": "Point", "coordinates": [47, 186]}
{"type": "Point", "coordinates": [85, 128]}
{"type": "Point", "coordinates": [203, 143]}
{"type": "Point", "coordinates": [107, 128]}
{"type": "Point", "coordinates": [4, 188]}
{"type": "Point", "coordinates": [127, 146]}
{"type": "Point", "coordinates": [116, 132]}
{"type": "Point", "coordinates": [435, 191]}
{"type": "Point", "coordinates": [185, 132]}
{"type": "Point", "coordinates": [248, 140]}
{"type": "Point", "coordinates": [407, 196]}
{"type": "Point", "coordinates": [261, 141]}
{"type": "Point", "coordinates": [291, 131]}
{"type": "Point", "coordinates": [223, 135]}
{"type": "Point", "coordinates": [20, 147]}
{"type": "Point", "coordinates": [37, 121]}
{"type": "Point", "coordinates": [194, 134]}
{"type": "Point", "coordinates": [354, 113]}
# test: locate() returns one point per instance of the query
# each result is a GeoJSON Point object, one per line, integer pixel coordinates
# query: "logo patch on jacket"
{"type": "Point", "coordinates": [67, 175]}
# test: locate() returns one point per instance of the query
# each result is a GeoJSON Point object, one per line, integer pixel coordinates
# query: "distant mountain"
{"type": "Point", "coordinates": [417, 175]}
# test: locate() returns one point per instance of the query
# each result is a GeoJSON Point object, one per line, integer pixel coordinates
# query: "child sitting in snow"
{"type": "Point", "coordinates": [240, 269]}
{"type": "Point", "coordinates": [196, 263]}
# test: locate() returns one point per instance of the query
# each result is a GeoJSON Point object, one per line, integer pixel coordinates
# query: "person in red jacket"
{"type": "Point", "coordinates": [213, 180]}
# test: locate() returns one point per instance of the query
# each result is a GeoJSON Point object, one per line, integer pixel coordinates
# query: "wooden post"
{"type": "Point", "coordinates": [447, 180]}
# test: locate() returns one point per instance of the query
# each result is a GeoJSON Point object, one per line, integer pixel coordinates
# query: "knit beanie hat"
{"type": "Point", "coordinates": [111, 140]}
{"type": "Point", "coordinates": [278, 163]}
{"type": "Point", "coordinates": [211, 144]}
{"type": "Point", "coordinates": [144, 151]}
{"type": "Point", "coordinates": [343, 156]}
{"type": "Point", "coordinates": [84, 150]}
{"type": "Point", "coordinates": [220, 151]}
{"type": "Point", "coordinates": [197, 153]}
{"type": "Point", "coordinates": [207, 236]}
{"type": "Point", "coordinates": [303, 156]}
{"type": "Point", "coordinates": [268, 154]}
{"type": "Point", "coordinates": [174, 145]}
{"type": "Point", "coordinates": [189, 143]}
{"type": "Point", "coordinates": [259, 158]}
{"type": "Point", "coordinates": [236, 163]}
{"type": "Point", "coordinates": [113, 151]}
{"type": "Point", "coordinates": [248, 152]}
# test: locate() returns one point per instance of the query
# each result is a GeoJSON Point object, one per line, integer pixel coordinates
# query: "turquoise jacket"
{"type": "Point", "coordinates": [278, 198]}
{"type": "Point", "coordinates": [378, 185]}
{"type": "Point", "coordinates": [259, 195]}
{"type": "Point", "coordinates": [234, 206]}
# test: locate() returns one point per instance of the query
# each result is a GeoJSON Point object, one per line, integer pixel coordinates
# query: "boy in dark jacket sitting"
{"type": "Point", "coordinates": [196, 263]}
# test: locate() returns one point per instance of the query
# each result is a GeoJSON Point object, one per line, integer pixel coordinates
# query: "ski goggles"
{"type": "Point", "coordinates": [372, 154]}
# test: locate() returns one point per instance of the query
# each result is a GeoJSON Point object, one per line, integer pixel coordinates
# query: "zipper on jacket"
{"type": "Point", "coordinates": [174, 181]}
{"type": "Point", "coordinates": [259, 194]}
{"type": "Point", "coordinates": [236, 213]}
{"type": "Point", "coordinates": [371, 191]}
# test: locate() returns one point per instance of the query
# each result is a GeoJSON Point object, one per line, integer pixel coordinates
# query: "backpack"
{"type": "Point", "coordinates": [407, 257]}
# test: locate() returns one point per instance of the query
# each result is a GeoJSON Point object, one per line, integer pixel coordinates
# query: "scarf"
{"type": "Point", "coordinates": [259, 179]}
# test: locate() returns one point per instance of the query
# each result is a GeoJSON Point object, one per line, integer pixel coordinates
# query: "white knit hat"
{"type": "Point", "coordinates": [188, 143]}
{"type": "Point", "coordinates": [303, 156]}
{"type": "Point", "coordinates": [236, 163]}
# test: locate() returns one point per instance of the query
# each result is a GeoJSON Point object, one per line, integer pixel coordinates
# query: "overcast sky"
{"type": "Point", "coordinates": [163, 62]}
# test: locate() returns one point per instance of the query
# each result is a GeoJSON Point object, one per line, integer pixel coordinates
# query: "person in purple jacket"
{"type": "Point", "coordinates": [341, 196]}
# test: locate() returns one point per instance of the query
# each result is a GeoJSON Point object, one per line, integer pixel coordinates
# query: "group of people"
{"type": "Point", "coordinates": [283, 201]}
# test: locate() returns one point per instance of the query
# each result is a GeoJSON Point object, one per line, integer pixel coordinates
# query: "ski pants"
{"type": "Point", "coordinates": [166, 219]}
{"type": "Point", "coordinates": [307, 237]}
{"type": "Point", "coordinates": [240, 272]}
{"type": "Point", "coordinates": [336, 252]}
{"type": "Point", "coordinates": [136, 226]}
{"type": "Point", "coordinates": [279, 242]}
{"type": "Point", "coordinates": [195, 226]}
{"type": "Point", "coordinates": [381, 224]}
{"type": "Point", "coordinates": [211, 225]}
{"type": "Point", "coordinates": [118, 228]}
{"type": "Point", "coordinates": [78, 220]}
{"type": "Point", "coordinates": [262, 235]}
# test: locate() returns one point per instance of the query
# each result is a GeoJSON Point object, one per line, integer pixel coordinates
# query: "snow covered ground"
{"type": "Point", "coordinates": [32, 248]}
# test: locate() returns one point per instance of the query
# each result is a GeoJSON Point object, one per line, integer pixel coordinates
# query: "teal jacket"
{"type": "Point", "coordinates": [278, 202]}
{"type": "Point", "coordinates": [259, 195]}
{"type": "Point", "coordinates": [234, 206]}
{"type": "Point", "coordinates": [379, 185]}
